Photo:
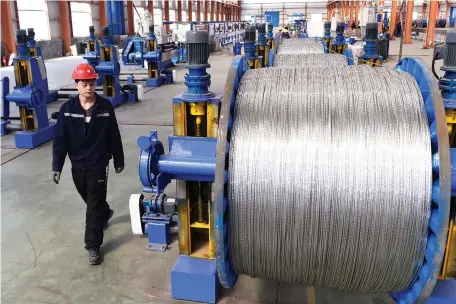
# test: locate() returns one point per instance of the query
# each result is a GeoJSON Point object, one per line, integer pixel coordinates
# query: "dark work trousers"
{"type": "Point", "coordinates": [91, 185]}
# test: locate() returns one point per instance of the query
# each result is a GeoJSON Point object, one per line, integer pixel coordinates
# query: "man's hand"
{"type": "Point", "coordinates": [119, 169]}
{"type": "Point", "coordinates": [56, 177]}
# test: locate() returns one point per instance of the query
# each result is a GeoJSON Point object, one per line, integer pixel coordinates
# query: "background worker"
{"type": "Point", "coordinates": [87, 131]}
{"type": "Point", "coordinates": [277, 36]}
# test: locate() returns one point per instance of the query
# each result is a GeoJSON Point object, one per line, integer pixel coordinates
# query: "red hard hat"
{"type": "Point", "coordinates": [84, 71]}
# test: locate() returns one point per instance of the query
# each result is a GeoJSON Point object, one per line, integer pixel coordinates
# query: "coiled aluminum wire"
{"type": "Point", "coordinates": [299, 46]}
{"type": "Point", "coordinates": [309, 60]}
{"type": "Point", "coordinates": [330, 178]}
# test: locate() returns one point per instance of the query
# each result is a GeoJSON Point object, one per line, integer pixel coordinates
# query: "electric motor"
{"type": "Point", "coordinates": [261, 29]}
{"type": "Point", "coordinates": [21, 36]}
{"type": "Point", "coordinates": [327, 25]}
{"type": "Point", "coordinates": [250, 34]}
{"type": "Point", "coordinates": [197, 47]}
{"type": "Point", "coordinates": [340, 28]}
{"type": "Point", "coordinates": [371, 31]}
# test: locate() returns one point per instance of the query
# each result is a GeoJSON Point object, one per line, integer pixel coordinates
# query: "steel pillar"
{"type": "Point", "coordinates": [408, 23]}
{"type": "Point", "coordinates": [393, 19]}
{"type": "Point", "coordinates": [64, 9]}
{"type": "Point", "coordinates": [7, 27]}
{"type": "Point", "coordinates": [430, 32]}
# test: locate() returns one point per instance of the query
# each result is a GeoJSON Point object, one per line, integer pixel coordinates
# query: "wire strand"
{"type": "Point", "coordinates": [329, 178]}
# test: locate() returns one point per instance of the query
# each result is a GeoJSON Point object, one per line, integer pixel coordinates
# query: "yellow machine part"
{"type": "Point", "coordinates": [91, 46]}
{"type": "Point", "coordinates": [371, 62]}
{"type": "Point", "coordinates": [263, 51]}
{"type": "Point", "coordinates": [449, 260]}
{"type": "Point", "coordinates": [108, 84]}
{"type": "Point", "coordinates": [328, 42]}
{"type": "Point", "coordinates": [151, 45]}
{"type": "Point", "coordinates": [254, 64]}
{"type": "Point", "coordinates": [23, 76]}
{"type": "Point", "coordinates": [199, 119]}
{"type": "Point", "coordinates": [339, 49]}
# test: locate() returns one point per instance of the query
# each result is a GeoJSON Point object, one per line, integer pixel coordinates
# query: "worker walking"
{"type": "Point", "coordinates": [87, 131]}
{"type": "Point", "coordinates": [278, 36]}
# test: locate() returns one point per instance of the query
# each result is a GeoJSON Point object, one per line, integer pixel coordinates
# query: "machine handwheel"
{"type": "Point", "coordinates": [136, 213]}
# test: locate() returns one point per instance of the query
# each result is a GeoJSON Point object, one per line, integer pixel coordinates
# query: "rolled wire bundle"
{"type": "Point", "coordinates": [330, 178]}
{"type": "Point", "coordinates": [309, 60]}
{"type": "Point", "coordinates": [299, 46]}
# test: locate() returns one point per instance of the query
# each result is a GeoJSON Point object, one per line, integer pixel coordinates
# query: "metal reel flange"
{"type": "Point", "coordinates": [225, 270]}
{"type": "Point", "coordinates": [422, 288]}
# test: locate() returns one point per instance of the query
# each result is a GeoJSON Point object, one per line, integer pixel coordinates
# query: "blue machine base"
{"type": "Point", "coordinates": [117, 101]}
{"type": "Point", "coordinates": [30, 140]}
{"type": "Point", "coordinates": [51, 96]}
{"type": "Point", "coordinates": [158, 235]}
{"type": "Point", "coordinates": [444, 292]}
{"type": "Point", "coordinates": [99, 81]}
{"type": "Point", "coordinates": [194, 279]}
{"type": "Point", "coordinates": [3, 125]}
{"type": "Point", "coordinates": [155, 82]}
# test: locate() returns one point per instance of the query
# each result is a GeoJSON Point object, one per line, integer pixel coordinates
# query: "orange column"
{"type": "Point", "coordinates": [102, 13]}
{"type": "Point", "coordinates": [222, 11]}
{"type": "Point", "coordinates": [327, 12]}
{"type": "Point", "coordinates": [217, 14]}
{"type": "Point", "coordinates": [7, 27]}
{"type": "Point", "coordinates": [167, 15]}
{"type": "Point", "coordinates": [351, 13]}
{"type": "Point", "coordinates": [430, 32]}
{"type": "Point", "coordinates": [179, 10]}
{"type": "Point", "coordinates": [408, 23]}
{"type": "Point", "coordinates": [393, 19]}
{"type": "Point", "coordinates": [150, 8]}
{"type": "Point", "coordinates": [356, 13]}
{"type": "Point", "coordinates": [447, 13]}
{"type": "Point", "coordinates": [190, 10]}
{"type": "Point", "coordinates": [198, 10]}
{"type": "Point", "coordinates": [212, 10]}
{"type": "Point", "coordinates": [423, 13]}
{"type": "Point", "coordinates": [131, 23]}
{"type": "Point", "coordinates": [206, 9]}
{"type": "Point", "coordinates": [64, 8]}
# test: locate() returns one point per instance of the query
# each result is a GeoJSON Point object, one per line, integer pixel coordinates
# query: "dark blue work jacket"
{"type": "Point", "coordinates": [93, 150]}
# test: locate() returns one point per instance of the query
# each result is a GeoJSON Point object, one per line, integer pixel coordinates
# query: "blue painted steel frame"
{"type": "Point", "coordinates": [440, 200]}
{"type": "Point", "coordinates": [33, 97]}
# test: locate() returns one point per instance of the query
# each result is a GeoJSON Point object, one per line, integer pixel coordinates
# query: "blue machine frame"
{"type": "Point", "coordinates": [133, 51]}
{"type": "Point", "coordinates": [93, 56]}
{"type": "Point", "coordinates": [109, 70]}
{"type": "Point", "coordinates": [31, 99]}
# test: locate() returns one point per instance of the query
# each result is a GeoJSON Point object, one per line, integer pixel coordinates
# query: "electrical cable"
{"type": "Point", "coordinates": [329, 179]}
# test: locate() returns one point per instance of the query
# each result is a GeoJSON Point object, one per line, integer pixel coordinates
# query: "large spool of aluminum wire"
{"type": "Point", "coordinates": [299, 46]}
{"type": "Point", "coordinates": [309, 60]}
{"type": "Point", "coordinates": [329, 178]}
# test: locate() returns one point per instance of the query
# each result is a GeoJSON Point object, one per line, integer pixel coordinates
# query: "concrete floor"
{"type": "Point", "coordinates": [42, 224]}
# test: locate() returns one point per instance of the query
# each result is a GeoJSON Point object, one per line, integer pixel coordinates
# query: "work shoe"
{"type": "Point", "coordinates": [94, 256]}
{"type": "Point", "coordinates": [111, 213]}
